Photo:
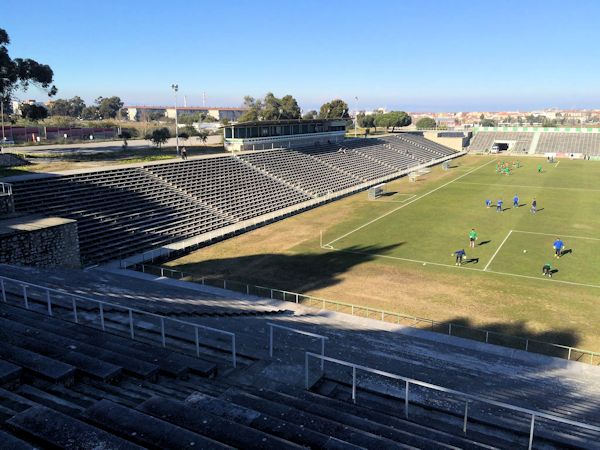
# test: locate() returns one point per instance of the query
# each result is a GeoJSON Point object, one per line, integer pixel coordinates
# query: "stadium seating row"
{"type": "Point", "coordinates": [68, 385]}
{"type": "Point", "coordinates": [127, 210]}
{"type": "Point", "coordinates": [547, 142]}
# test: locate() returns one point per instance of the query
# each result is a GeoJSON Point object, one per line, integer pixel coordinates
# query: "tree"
{"type": "Point", "coordinates": [20, 73]}
{"type": "Point", "coordinates": [487, 123]}
{"type": "Point", "coordinates": [225, 121]}
{"type": "Point", "coordinates": [270, 108]}
{"type": "Point", "coordinates": [69, 108]}
{"type": "Point", "coordinates": [160, 136]}
{"type": "Point", "coordinates": [90, 113]}
{"type": "Point", "coordinates": [426, 123]}
{"type": "Point", "coordinates": [108, 108]}
{"type": "Point", "coordinates": [33, 112]}
{"type": "Point", "coordinates": [310, 115]}
{"type": "Point", "coordinates": [382, 120]}
{"type": "Point", "coordinates": [398, 119]}
{"type": "Point", "coordinates": [335, 109]}
{"type": "Point", "coordinates": [184, 136]}
{"type": "Point", "coordinates": [289, 108]}
{"type": "Point", "coordinates": [366, 121]}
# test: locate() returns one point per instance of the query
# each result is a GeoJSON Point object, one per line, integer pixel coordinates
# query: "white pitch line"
{"type": "Point", "coordinates": [406, 204]}
{"type": "Point", "coordinates": [497, 250]}
{"type": "Point", "coordinates": [557, 234]}
{"type": "Point", "coordinates": [545, 279]}
{"type": "Point", "coordinates": [391, 201]}
{"type": "Point", "coordinates": [557, 164]}
{"type": "Point", "coordinates": [529, 187]}
{"type": "Point", "coordinates": [573, 283]}
{"type": "Point", "coordinates": [405, 259]}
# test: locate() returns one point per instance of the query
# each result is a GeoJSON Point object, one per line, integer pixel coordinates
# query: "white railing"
{"type": "Point", "coordinates": [466, 397]}
{"type": "Point", "coordinates": [452, 329]}
{"type": "Point", "coordinates": [6, 188]}
{"type": "Point", "coordinates": [101, 307]}
{"type": "Point", "coordinates": [297, 331]}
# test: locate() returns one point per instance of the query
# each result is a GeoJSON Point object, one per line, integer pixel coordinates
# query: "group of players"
{"type": "Point", "coordinates": [505, 168]}
{"type": "Point", "coordinates": [500, 202]}
{"type": "Point", "coordinates": [547, 270]}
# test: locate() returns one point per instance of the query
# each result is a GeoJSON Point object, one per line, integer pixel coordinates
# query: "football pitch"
{"type": "Point", "coordinates": [396, 253]}
{"type": "Point", "coordinates": [429, 227]}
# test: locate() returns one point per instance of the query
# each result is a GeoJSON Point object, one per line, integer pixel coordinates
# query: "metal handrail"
{"type": "Point", "coordinates": [272, 325]}
{"type": "Point", "coordinates": [102, 304]}
{"type": "Point", "coordinates": [467, 397]}
{"type": "Point", "coordinates": [6, 188]}
{"type": "Point", "coordinates": [378, 314]}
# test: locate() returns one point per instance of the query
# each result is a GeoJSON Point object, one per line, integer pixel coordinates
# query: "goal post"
{"type": "Point", "coordinates": [376, 191]}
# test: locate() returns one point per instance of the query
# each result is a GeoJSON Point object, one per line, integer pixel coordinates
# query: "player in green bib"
{"type": "Point", "coordinates": [472, 237]}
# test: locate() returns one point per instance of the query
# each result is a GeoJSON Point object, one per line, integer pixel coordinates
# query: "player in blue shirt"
{"type": "Point", "coordinates": [488, 203]}
{"type": "Point", "coordinates": [499, 206]}
{"type": "Point", "coordinates": [460, 255]}
{"type": "Point", "coordinates": [516, 201]}
{"type": "Point", "coordinates": [558, 247]}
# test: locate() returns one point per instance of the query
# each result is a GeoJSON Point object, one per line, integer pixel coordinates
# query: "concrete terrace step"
{"type": "Point", "coordinates": [273, 425]}
{"type": "Point", "coordinates": [314, 422]}
{"type": "Point", "coordinates": [211, 426]}
{"type": "Point", "coordinates": [10, 442]}
{"type": "Point", "coordinates": [342, 416]}
{"type": "Point", "coordinates": [51, 329]}
{"type": "Point", "coordinates": [9, 373]}
{"type": "Point", "coordinates": [38, 365]}
{"type": "Point", "coordinates": [86, 365]}
{"type": "Point", "coordinates": [144, 429]}
{"type": "Point", "coordinates": [51, 428]}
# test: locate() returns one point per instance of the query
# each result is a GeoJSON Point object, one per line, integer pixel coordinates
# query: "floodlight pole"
{"type": "Point", "coordinates": [175, 88]}
{"type": "Point", "coordinates": [356, 118]}
{"type": "Point", "coordinates": [2, 114]}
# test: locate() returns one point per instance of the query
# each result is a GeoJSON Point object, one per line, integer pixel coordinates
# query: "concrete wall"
{"type": "Point", "coordinates": [454, 143]}
{"type": "Point", "coordinates": [40, 242]}
{"type": "Point", "coordinates": [7, 205]}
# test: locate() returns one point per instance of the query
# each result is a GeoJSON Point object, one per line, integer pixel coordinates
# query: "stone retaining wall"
{"type": "Point", "coordinates": [7, 205]}
{"type": "Point", "coordinates": [40, 242]}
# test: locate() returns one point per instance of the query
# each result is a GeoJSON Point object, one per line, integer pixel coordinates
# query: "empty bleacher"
{"type": "Point", "coordinates": [554, 142]}
{"type": "Point", "coordinates": [230, 186]}
{"type": "Point", "coordinates": [125, 211]}
{"type": "Point", "coordinates": [119, 212]}
{"type": "Point", "coordinates": [484, 140]}
{"type": "Point", "coordinates": [300, 170]}
{"type": "Point", "coordinates": [69, 385]}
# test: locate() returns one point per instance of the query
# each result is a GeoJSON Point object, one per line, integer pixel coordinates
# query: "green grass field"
{"type": "Point", "coordinates": [430, 227]}
{"type": "Point", "coordinates": [395, 253]}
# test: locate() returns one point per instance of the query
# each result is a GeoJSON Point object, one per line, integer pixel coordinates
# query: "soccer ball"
{"type": "Point", "coordinates": [524, 251]}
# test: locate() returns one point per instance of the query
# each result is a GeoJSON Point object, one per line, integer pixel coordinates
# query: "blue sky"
{"type": "Point", "coordinates": [414, 55]}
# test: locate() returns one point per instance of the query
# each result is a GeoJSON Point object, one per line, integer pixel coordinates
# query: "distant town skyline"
{"type": "Point", "coordinates": [434, 56]}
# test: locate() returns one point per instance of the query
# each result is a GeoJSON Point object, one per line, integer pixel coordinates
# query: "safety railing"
{"type": "Point", "coordinates": [102, 306]}
{"type": "Point", "coordinates": [6, 188]}
{"type": "Point", "coordinates": [297, 331]}
{"type": "Point", "coordinates": [463, 395]}
{"type": "Point", "coordinates": [452, 329]}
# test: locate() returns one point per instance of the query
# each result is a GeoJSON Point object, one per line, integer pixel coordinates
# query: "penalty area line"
{"type": "Point", "coordinates": [354, 252]}
{"type": "Point", "coordinates": [497, 250]}
{"type": "Point", "coordinates": [409, 202]}
{"type": "Point", "coordinates": [557, 234]}
{"type": "Point", "coordinates": [506, 274]}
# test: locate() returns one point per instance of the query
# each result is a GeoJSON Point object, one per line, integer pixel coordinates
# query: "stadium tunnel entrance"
{"type": "Point", "coordinates": [502, 146]}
